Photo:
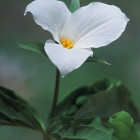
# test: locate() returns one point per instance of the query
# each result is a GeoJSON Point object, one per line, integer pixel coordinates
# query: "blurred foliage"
{"type": "Point", "coordinates": [83, 128]}
{"type": "Point", "coordinates": [119, 127]}
{"type": "Point", "coordinates": [103, 99]}
{"type": "Point", "coordinates": [123, 125]}
{"type": "Point", "coordinates": [15, 111]}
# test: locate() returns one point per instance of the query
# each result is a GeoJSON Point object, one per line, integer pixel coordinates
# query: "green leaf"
{"type": "Point", "coordinates": [122, 123]}
{"type": "Point", "coordinates": [15, 111]}
{"type": "Point", "coordinates": [103, 99]}
{"type": "Point", "coordinates": [75, 4]}
{"type": "Point", "coordinates": [39, 48]}
{"type": "Point", "coordinates": [83, 128]}
{"type": "Point", "coordinates": [97, 59]}
{"type": "Point", "coordinates": [35, 47]}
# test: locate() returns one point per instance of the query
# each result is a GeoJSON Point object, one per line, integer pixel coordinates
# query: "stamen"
{"type": "Point", "coordinates": [66, 40]}
{"type": "Point", "coordinates": [67, 44]}
{"type": "Point", "coordinates": [63, 43]}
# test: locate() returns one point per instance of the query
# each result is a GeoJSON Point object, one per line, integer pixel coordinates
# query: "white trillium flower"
{"type": "Point", "coordinates": [91, 26]}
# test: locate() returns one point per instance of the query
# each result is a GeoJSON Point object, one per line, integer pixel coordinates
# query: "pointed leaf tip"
{"type": "Point", "coordinates": [75, 4]}
{"type": "Point", "coordinates": [99, 60]}
{"type": "Point", "coordinates": [32, 46]}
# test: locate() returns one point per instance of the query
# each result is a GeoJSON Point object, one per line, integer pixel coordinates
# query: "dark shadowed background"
{"type": "Point", "coordinates": [32, 76]}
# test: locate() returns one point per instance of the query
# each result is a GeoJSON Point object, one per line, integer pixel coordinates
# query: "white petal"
{"type": "Point", "coordinates": [102, 35]}
{"type": "Point", "coordinates": [50, 15]}
{"type": "Point", "coordinates": [95, 25]}
{"type": "Point", "coordinates": [66, 60]}
{"type": "Point", "coordinates": [50, 41]}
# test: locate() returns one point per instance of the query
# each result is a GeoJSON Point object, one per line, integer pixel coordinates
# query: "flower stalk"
{"type": "Point", "coordinates": [44, 137]}
{"type": "Point", "coordinates": [56, 93]}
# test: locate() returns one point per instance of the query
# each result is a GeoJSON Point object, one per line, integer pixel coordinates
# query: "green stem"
{"type": "Point", "coordinates": [56, 92]}
{"type": "Point", "coordinates": [44, 137]}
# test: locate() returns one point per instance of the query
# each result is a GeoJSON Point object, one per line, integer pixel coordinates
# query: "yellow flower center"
{"type": "Point", "coordinates": [67, 44]}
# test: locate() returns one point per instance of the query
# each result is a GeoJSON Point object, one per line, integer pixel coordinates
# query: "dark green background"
{"type": "Point", "coordinates": [33, 76]}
